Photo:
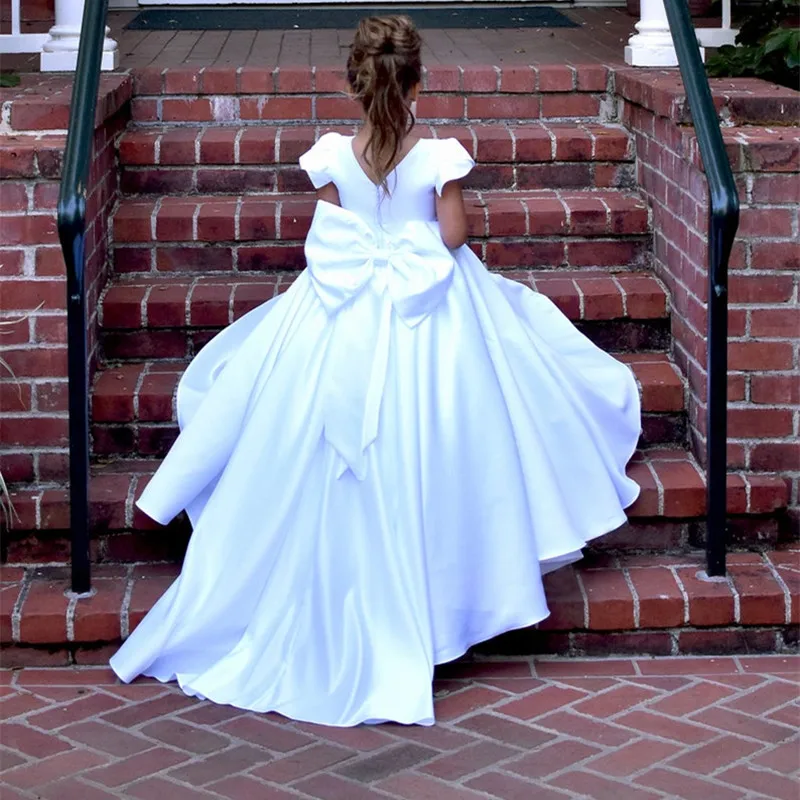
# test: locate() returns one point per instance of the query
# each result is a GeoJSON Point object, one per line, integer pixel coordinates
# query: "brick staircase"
{"type": "Point", "coordinates": [210, 223]}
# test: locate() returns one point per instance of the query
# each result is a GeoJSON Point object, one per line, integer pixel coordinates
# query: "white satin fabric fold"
{"type": "Point", "coordinates": [362, 275]}
{"type": "Point", "coordinates": [379, 465]}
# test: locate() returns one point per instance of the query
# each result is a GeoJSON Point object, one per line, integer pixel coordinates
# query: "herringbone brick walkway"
{"type": "Point", "coordinates": [690, 728]}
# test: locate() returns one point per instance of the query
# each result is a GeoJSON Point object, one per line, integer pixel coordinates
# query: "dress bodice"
{"type": "Point", "coordinates": [413, 183]}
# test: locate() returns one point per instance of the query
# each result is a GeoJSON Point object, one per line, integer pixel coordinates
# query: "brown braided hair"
{"type": "Point", "coordinates": [384, 65]}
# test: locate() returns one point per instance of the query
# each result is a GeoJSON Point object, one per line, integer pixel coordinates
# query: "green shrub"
{"type": "Point", "coordinates": [768, 46]}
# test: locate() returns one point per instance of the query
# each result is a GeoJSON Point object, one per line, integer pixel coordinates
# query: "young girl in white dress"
{"type": "Point", "coordinates": [380, 464]}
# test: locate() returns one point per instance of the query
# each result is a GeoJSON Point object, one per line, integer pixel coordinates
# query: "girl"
{"type": "Point", "coordinates": [380, 464]}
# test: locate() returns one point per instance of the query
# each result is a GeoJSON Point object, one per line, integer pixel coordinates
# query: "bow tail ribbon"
{"type": "Point", "coordinates": [357, 359]}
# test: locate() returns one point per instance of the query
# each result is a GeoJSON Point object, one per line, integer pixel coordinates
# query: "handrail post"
{"type": "Point", "coordinates": [723, 220]}
{"type": "Point", "coordinates": [72, 234]}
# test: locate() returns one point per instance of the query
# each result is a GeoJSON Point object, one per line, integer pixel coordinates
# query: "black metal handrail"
{"type": "Point", "coordinates": [723, 221]}
{"type": "Point", "coordinates": [72, 233]}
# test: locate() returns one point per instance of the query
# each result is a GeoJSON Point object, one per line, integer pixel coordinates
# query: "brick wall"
{"type": "Point", "coordinates": [33, 408]}
{"type": "Point", "coordinates": [36, 16]}
{"type": "Point", "coordinates": [764, 320]}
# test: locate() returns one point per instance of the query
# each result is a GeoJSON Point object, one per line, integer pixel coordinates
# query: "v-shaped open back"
{"type": "Point", "coordinates": [413, 183]}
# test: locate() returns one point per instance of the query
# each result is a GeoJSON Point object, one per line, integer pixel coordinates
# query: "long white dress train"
{"type": "Point", "coordinates": [378, 465]}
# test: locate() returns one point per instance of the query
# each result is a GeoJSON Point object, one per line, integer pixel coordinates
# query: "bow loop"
{"type": "Point", "coordinates": [361, 275]}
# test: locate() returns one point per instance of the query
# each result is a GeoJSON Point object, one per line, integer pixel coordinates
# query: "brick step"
{"type": "Point", "coordinates": [666, 518]}
{"type": "Point", "coordinates": [657, 605]}
{"type": "Point", "coordinates": [545, 228]}
{"type": "Point", "coordinates": [134, 414]}
{"type": "Point", "coordinates": [231, 95]}
{"type": "Point", "coordinates": [168, 160]}
{"type": "Point", "coordinates": [172, 316]}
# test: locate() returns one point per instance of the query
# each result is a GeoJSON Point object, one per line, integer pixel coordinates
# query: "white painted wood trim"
{"type": "Point", "coordinates": [22, 42]}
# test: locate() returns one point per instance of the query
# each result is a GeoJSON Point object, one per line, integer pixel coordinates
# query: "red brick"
{"type": "Point", "coordinates": [582, 783]}
{"type": "Point", "coordinates": [175, 219]}
{"type": "Point", "coordinates": [684, 488]}
{"type": "Point", "coordinates": [565, 601]}
{"type": "Point", "coordinates": [506, 217]}
{"type": "Point", "coordinates": [498, 784]}
{"type": "Point", "coordinates": [263, 733]}
{"type": "Point", "coordinates": [572, 143]}
{"type": "Point", "coordinates": [25, 294]}
{"type": "Point", "coordinates": [610, 600]}
{"type": "Point", "coordinates": [216, 221]}
{"type": "Point", "coordinates": [505, 731]}
{"type": "Point", "coordinates": [495, 143]}
{"type": "Point", "coordinates": [97, 618]}
{"type": "Point", "coordinates": [761, 598]}
{"type": "Point", "coordinates": [440, 106]}
{"type": "Point", "coordinates": [547, 216]}
{"type": "Point", "coordinates": [556, 78]}
{"type": "Point", "coordinates": [11, 262]}
{"type": "Point", "coordinates": [181, 80]}
{"type": "Point", "coordinates": [458, 704]}
{"type": "Point", "coordinates": [178, 146]}
{"type": "Point", "coordinates": [479, 78]}
{"type": "Point", "coordinates": [775, 389]}
{"type": "Point", "coordinates": [555, 106]}
{"type": "Point", "coordinates": [776, 255]}
{"type": "Point", "coordinates": [761, 423]}
{"type": "Point", "coordinates": [191, 259]}
{"type": "Point", "coordinates": [219, 80]}
{"type": "Point", "coordinates": [292, 767]}
{"type": "Point", "coordinates": [782, 759]}
{"type": "Point", "coordinates": [595, 253]}
{"type": "Point", "coordinates": [220, 765]}
{"type": "Point", "coordinates": [685, 733]}
{"type": "Point", "coordinates": [761, 288]}
{"type": "Point", "coordinates": [759, 356]}
{"type": "Point", "coordinates": [533, 143]}
{"type": "Point", "coordinates": [257, 80]}
{"type": "Point", "coordinates": [440, 78]}
{"type": "Point", "coordinates": [136, 766]}
{"type": "Point", "coordinates": [710, 602]}
{"type": "Point", "coordinates": [775, 322]}
{"type": "Point", "coordinates": [517, 80]}
{"type": "Point", "coordinates": [195, 110]}
{"type": "Point", "coordinates": [498, 107]}
{"type": "Point", "coordinates": [543, 701]}
{"type": "Point", "coordinates": [602, 299]}
{"type": "Point", "coordinates": [592, 77]}
{"type": "Point", "coordinates": [217, 145]}
{"type": "Point", "coordinates": [34, 432]}
{"type": "Point", "coordinates": [113, 394]}
{"type": "Point", "coordinates": [776, 189]}
{"type": "Point", "coordinates": [767, 493]}
{"type": "Point", "coordinates": [29, 229]}
{"type": "Point", "coordinates": [660, 599]}
{"type": "Point", "coordinates": [13, 197]}
{"type": "Point", "coordinates": [281, 108]}
{"type": "Point", "coordinates": [166, 305]}
{"type": "Point", "coordinates": [257, 146]}
{"type": "Point", "coordinates": [687, 787]}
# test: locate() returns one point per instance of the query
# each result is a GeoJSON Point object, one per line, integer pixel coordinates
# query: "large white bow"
{"type": "Point", "coordinates": [362, 275]}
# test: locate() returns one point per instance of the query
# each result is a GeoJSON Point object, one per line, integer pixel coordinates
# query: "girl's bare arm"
{"type": "Point", "coordinates": [452, 215]}
{"type": "Point", "coordinates": [329, 193]}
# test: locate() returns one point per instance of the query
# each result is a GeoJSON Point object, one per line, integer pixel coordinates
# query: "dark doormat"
{"type": "Point", "coordinates": [347, 17]}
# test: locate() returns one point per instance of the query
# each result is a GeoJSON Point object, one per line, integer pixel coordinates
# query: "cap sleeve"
{"type": "Point", "coordinates": [319, 160]}
{"type": "Point", "coordinates": [454, 162]}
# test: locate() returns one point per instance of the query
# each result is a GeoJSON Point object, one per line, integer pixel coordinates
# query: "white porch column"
{"type": "Point", "coordinates": [652, 45]}
{"type": "Point", "coordinates": [60, 51]}
{"type": "Point", "coordinates": [717, 37]}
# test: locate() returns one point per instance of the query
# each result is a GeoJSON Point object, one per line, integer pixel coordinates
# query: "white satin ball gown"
{"type": "Point", "coordinates": [378, 465]}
